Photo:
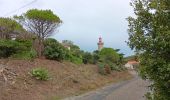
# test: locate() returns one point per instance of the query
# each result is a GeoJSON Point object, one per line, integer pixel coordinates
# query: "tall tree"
{"type": "Point", "coordinates": [149, 33]}
{"type": "Point", "coordinates": [40, 22]}
{"type": "Point", "coordinates": [9, 28]}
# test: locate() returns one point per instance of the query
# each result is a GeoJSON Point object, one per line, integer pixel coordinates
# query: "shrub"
{"type": "Point", "coordinates": [12, 47]}
{"type": "Point", "coordinates": [40, 73]}
{"type": "Point", "coordinates": [8, 47]}
{"type": "Point", "coordinates": [101, 69]}
{"type": "Point", "coordinates": [54, 50]}
{"type": "Point", "coordinates": [26, 55]}
{"type": "Point", "coordinates": [109, 54]}
{"type": "Point", "coordinates": [75, 59]}
{"type": "Point", "coordinates": [87, 58]}
{"type": "Point", "coordinates": [104, 69]}
{"type": "Point", "coordinates": [95, 56]}
{"type": "Point", "coordinates": [50, 41]}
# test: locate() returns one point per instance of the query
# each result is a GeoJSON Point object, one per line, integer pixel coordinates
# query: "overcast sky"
{"type": "Point", "coordinates": [84, 21]}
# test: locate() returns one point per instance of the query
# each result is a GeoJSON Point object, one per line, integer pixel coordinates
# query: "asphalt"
{"type": "Point", "coordinates": [133, 89]}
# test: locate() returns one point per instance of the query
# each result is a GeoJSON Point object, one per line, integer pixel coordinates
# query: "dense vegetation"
{"type": "Point", "coordinates": [41, 23]}
{"type": "Point", "coordinates": [149, 34]}
{"type": "Point", "coordinates": [27, 37]}
{"type": "Point", "coordinates": [54, 50]}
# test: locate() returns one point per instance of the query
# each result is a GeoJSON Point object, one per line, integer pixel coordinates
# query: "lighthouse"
{"type": "Point", "coordinates": [100, 44]}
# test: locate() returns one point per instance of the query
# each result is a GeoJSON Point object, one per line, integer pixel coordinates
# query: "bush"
{"type": "Point", "coordinates": [50, 41]}
{"type": "Point", "coordinates": [113, 66]}
{"type": "Point", "coordinates": [7, 48]}
{"type": "Point", "coordinates": [87, 58]}
{"type": "Point", "coordinates": [95, 57]}
{"type": "Point", "coordinates": [40, 73]}
{"type": "Point", "coordinates": [12, 47]}
{"type": "Point", "coordinates": [109, 54]}
{"type": "Point", "coordinates": [75, 59]}
{"type": "Point", "coordinates": [54, 50]}
{"type": "Point", "coordinates": [101, 69]}
{"type": "Point", "coordinates": [104, 69]}
{"type": "Point", "coordinates": [26, 55]}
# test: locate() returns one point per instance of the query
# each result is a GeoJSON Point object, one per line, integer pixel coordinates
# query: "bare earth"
{"type": "Point", "coordinates": [128, 90]}
{"type": "Point", "coordinates": [66, 79]}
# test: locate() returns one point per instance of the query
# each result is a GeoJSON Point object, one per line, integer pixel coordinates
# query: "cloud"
{"type": "Point", "coordinates": [84, 20]}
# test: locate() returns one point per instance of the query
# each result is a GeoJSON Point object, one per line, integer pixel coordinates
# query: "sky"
{"type": "Point", "coordinates": [84, 21]}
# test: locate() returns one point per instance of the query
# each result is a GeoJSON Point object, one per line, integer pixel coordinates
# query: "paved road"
{"type": "Point", "coordinates": [128, 90]}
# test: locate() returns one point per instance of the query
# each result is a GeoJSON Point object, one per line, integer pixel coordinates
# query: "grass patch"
{"type": "Point", "coordinates": [25, 55]}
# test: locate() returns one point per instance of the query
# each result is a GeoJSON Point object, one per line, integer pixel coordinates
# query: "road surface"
{"type": "Point", "coordinates": [133, 89]}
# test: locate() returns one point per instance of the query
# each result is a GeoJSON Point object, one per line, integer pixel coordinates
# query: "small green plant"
{"type": "Point", "coordinates": [40, 73]}
{"type": "Point", "coordinates": [101, 68]}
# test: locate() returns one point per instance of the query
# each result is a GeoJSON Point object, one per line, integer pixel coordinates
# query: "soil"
{"type": "Point", "coordinates": [66, 79]}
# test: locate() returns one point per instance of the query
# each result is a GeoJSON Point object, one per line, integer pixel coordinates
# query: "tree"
{"type": "Point", "coordinates": [9, 28]}
{"type": "Point", "coordinates": [87, 58]}
{"type": "Point", "coordinates": [42, 23]}
{"type": "Point", "coordinates": [95, 56]}
{"type": "Point", "coordinates": [121, 55]}
{"type": "Point", "coordinates": [109, 55]}
{"type": "Point", "coordinates": [149, 34]}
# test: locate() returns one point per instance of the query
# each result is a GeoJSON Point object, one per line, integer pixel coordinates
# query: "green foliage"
{"type": "Point", "coordinates": [75, 59]}
{"type": "Point", "coordinates": [50, 41]}
{"type": "Point", "coordinates": [17, 49]}
{"type": "Point", "coordinates": [116, 67]}
{"type": "Point", "coordinates": [9, 27]}
{"type": "Point", "coordinates": [87, 58]}
{"type": "Point", "coordinates": [74, 49]}
{"type": "Point", "coordinates": [96, 57]}
{"type": "Point", "coordinates": [54, 50]}
{"type": "Point", "coordinates": [40, 22]}
{"type": "Point", "coordinates": [40, 73]}
{"type": "Point", "coordinates": [104, 68]}
{"type": "Point", "coordinates": [26, 55]}
{"type": "Point", "coordinates": [43, 15]}
{"type": "Point", "coordinates": [149, 34]}
{"type": "Point", "coordinates": [74, 54]}
{"type": "Point", "coordinates": [101, 68]}
{"type": "Point", "coordinates": [8, 47]}
{"type": "Point", "coordinates": [109, 55]}
{"type": "Point", "coordinates": [110, 58]}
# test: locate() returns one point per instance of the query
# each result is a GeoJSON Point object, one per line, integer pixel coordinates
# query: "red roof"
{"type": "Point", "coordinates": [133, 62]}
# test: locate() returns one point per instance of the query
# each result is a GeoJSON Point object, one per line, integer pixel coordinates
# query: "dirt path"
{"type": "Point", "coordinates": [133, 89]}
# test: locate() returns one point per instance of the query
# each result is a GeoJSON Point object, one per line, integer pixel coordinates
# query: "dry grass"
{"type": "Point", "coordinates": [67, 79]}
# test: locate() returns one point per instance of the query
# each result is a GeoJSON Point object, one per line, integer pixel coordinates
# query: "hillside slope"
{"type": "Point", "coordinates": [66, 79]}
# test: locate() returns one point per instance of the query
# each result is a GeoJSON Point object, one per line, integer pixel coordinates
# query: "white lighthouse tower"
{"type": "Point", "coordinates": [100, 44]}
